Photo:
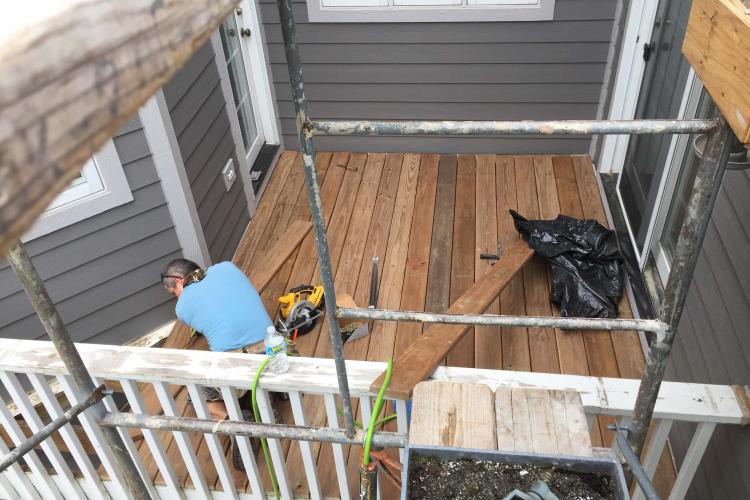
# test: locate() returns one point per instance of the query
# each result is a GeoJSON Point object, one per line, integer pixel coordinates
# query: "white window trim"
{"type": "Point", "coordinates": [444, 11]}
{"type": "Point", "coordinates": [101, 187]}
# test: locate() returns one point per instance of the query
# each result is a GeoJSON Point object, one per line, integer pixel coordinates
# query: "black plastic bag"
{"type": "Point", "coordinates": [585, 259]}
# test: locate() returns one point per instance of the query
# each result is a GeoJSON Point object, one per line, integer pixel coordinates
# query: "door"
{"type": "Point", "coordinates": [248, 77]}
{"type": "Point", "coordinates": [661, 96]}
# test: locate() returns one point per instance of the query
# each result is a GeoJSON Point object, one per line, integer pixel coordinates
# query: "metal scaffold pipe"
{"type": "Point", "coordinates": [525, 127]}
{"type": "Point", "coordinates": [53, 324]}
{"type": "Point", "coordinates": [294, 65]}
{"type": "Point", "coordinates": [703, 196]}
{"type": "Point", "coordinates": [644, 325]}
{"type": "Point", "coordinates": [251, 429]}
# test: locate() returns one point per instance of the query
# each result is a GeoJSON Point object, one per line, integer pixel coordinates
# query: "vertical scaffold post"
{"type": "Point", "coordinates": [705, 190]}
{"type": "Point", "coordinates": [53, 324]}
{"type": "Point", "coordinates": [294, 65]}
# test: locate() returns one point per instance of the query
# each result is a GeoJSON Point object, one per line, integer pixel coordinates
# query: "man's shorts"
{"type": "Point", "coordinates": [214, 393]}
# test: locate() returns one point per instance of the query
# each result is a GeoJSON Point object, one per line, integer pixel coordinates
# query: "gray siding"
{"type": "Point", "coordinates": [713, 345]}
{"type": "Point", "coordinates": [201, 123]}
{"type": "Point", "coordinates": [462, 71]}
{"type": "Point", "coordinates": [103, 272]}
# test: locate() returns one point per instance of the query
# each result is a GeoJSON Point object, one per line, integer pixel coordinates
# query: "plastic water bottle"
{"type": "Point", "coordinates": [276, 348]}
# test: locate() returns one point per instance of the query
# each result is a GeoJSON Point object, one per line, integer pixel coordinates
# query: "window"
{"type": "Point", "coordinates": [101, 186]}
{"type": "Point", "coordinates": [429, 10]}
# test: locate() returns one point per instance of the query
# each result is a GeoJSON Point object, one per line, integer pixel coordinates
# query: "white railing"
{"type": "Point", "coordinates": [311, 385]}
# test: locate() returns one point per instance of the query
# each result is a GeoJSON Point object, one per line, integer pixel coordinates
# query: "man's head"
{"type": "Point", "coordinates": [173, 277]}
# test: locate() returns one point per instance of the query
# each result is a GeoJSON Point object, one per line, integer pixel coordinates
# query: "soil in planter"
{"type": "Point", "coordinates": [438, 478]}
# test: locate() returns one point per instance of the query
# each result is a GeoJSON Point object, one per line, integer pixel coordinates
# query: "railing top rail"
{"type": "Point", "coordinates": [611, 396]}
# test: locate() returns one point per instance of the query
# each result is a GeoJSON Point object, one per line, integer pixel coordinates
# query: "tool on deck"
{"type": "Point", "coordinates": [358, 330]}
{"type": "Point", "coordinates": [301, 307]}
{"type": "Point", "coordinates": [493, 256]}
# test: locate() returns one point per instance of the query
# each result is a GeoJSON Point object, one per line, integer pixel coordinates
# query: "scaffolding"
{"type": "Point", "coordinates": [663, 329]}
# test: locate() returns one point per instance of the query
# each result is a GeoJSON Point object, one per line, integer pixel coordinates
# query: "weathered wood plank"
{"type": "Point", "coordinates": [453, 414]}
{"type": "Point", "coordinates": [421, 358]}
{"type": "Point", "coordinates": [521, 420]}
{"type": "Point", "coordinates": [462, 263]}
{"type": "Point", "coordinates": [441, 252]}
{"type": "Point", "coordinates": [580, 438]}
{"type": "Point", "coordinates": [504, 419]}
{"type": "Point", "coordinates": [65, 89]}
{"type": "Point", "coordinates": [541, 421]}
{"type": "Point", "coordinates": [488, 349]}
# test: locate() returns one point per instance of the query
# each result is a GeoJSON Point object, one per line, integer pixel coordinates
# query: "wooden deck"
{"type": "Point", "coordinates": [428, 217]}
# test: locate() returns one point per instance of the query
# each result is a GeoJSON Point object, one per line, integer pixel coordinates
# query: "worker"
{"type": "Point", "coordinates": [221, 304]}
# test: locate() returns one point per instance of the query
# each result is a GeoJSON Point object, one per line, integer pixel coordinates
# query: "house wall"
{"type": "Point", "coordinates": [713, 341]}
{"type": "Point", "coordinates": [463, 71]}
{"type": "Point", "coordinates": [201, 123]}
{"type": "Point", "coordinates": [103, 272]}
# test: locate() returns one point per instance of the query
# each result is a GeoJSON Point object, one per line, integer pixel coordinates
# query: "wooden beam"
{"type": "Point", "coordinates": [421, 358]}
{"type": "Point", "coordinates": [716, 45]}
{"type": "Point", "coordinates": [71, 74]}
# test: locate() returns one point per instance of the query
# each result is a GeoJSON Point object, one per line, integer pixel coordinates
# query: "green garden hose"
{"type": "Point", "coordinates": [375, 413]}
{"type": "Point", "coordinates": [264, 441]}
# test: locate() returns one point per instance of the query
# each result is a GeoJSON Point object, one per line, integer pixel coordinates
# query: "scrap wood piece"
{"type": "Point", "coordinates": [421, 358]}
{"type": "Point", "coordinates": [455, 414]}
{"type": "Point", "coordinates": [82, 86]}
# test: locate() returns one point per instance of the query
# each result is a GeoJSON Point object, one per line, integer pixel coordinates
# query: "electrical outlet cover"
{"type": "Point", "coordinates": [229, 174]}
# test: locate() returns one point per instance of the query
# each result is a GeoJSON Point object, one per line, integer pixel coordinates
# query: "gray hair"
{"type": "Point", "coordinates": [179, 267]}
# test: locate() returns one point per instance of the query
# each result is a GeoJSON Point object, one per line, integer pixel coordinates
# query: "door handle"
{"type": "Point", "coordinates": [648, 49]}
{"type": "Point", "coordinates": [245, 32]}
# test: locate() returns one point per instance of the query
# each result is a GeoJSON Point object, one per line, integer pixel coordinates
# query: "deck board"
{"type": "Point", "coordinates": [427, 217]}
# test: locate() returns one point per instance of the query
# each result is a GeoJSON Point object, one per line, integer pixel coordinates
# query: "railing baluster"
{"type": "Point", "coordinates": [402, 423]}
{"type": "Point", "coordinates": [71, 487]}
{"type": "Point", "coordinates": [183, 441]}
{"type": "Point", "coordinates": [6, 489]}
{"type": "Point", "coordinates": [692, 460]}
{"type": "Point", "coordinates": [94, 433]}
{"type": "Point", "coordinates": [274, 445]}
{"type": "Point", "coordinates": [153, 441]}
{"type": "Point", "coordinates": [110, 405]}
{"type": "Point", "coordinates": [18, 478]}
{"type": "Point", "coordinates": [39, 477]}
{"type": "Point", "coordinates": [95, 487]}
{"type": "Point", "coordinates": [246, 451]}
{"type": "Point", "coordinates": [654, 451]}
{"type": "Point", "coordinates": [213, 443]}
{"type": "Point", "coordinates": [311, 472]}
{"type": "Point", "coordinates": [338, 450]}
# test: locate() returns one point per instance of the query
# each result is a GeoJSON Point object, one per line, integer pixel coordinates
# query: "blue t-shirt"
{"type": "Point", "coordinates": [224, 307]}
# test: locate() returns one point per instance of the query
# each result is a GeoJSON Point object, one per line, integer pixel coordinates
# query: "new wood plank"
{"type": "Point", "coordinates": [337, 228]}
{"type": "Point", "coordinates": [488, 349]}
{"type": "Point", "coordinates": [414, 289]}
{"type": "Point", "coordinates": [570, 349]}
{"type": "Point", "coordinates": [600, 353]}
{"type": "Point", "coordinates": [441, 251]}
{"type": "Point", "coordinates": [462, 263]}
{"type": "Point", "coordinates": [250, 240]}
{"type": "Point", "coordinates": [543, 355]}
{"type": "Point", "coordinates": [423, 356]}
{"type": "Point", "coordinates": [515, 340]}
{"type": "Point", "coordinates": [278, 284]}
{"type": "Point", "coordinates": [456, 414]}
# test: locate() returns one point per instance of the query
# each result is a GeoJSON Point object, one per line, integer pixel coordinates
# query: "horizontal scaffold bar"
{"type": "Point", "coordinates": [644, 325]}
{"type": "Point", "coordinates": [526, 127]}
{"type": "Point", "coordinates": [250, 429]}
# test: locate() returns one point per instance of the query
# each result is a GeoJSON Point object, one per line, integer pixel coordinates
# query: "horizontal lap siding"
{"type": "Point", "coordinates": [201, 123]}
{"type": "Point", "coordinates": [713, 344]}
{"type": "Point", "coordinates": [103, 272]}
{"type": "Point", "coordinates": [460, 71]}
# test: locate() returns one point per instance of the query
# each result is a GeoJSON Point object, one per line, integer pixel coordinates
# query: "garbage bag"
{"type": "Point", "coordinates": [586, 263]}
